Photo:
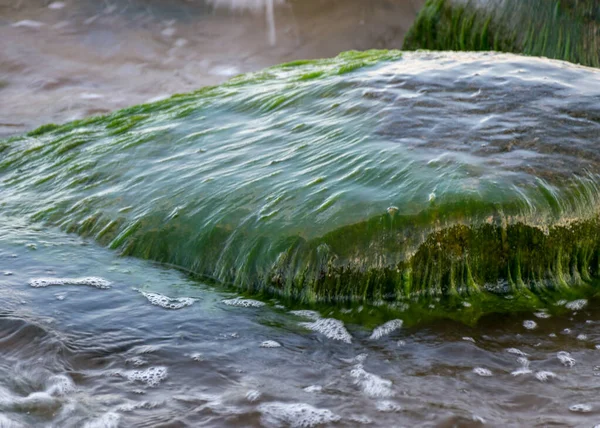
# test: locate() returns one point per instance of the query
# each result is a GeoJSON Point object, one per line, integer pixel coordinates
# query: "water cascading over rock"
{"type": "Point", "coordinates": [369, 176]}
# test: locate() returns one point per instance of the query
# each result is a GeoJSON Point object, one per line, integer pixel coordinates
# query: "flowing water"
{"type": "Point", "coordinates": [380, 238]}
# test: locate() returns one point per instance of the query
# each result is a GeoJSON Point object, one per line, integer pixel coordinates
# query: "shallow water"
{"type": "Point", "coordinates": [77, 355]}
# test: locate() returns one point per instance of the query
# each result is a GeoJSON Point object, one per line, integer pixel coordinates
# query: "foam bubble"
{"type": "Point", "coordinates": [167, 302]}
{"type": "Point", "coordinates": [482, 371]}
{"type": "Point", "coordinates": [91, 281]}
{"type": "Point", "coordinates": [576, 305]}
{"type": "Point", "coordinates": [270, 344]}
{"type": "Point", "coordinates": [582, 337]}
{"type": "Point", "coordinates": [295, 415]}
{"type": "Point", "coordinates": [529, 324]}
{"type": "Point", "coordinates": [313, 388]}
{"type": "Point", "coordinates": [244, 303]}
{"type": "Point", "coordinates": [388, 406]}
{"type": "Point", "coordinates": [565, 358]}
{"type": "Point", "coordinates": [371, 384]}
{"type": "Point", "coordinates": [107, 420]}
{"type": "Point", "coordinates": [544, 376]}
{"type": "Point", "coordinates": [305, 313]}
{"type": "Point", "coordinates": [152, 376]}
{"type": "Point", "coordinates": [580, 408]}
{"type": "Point", "coordinates": [385, 329]}
{"type": "Point", "coordinates": [330, 328]}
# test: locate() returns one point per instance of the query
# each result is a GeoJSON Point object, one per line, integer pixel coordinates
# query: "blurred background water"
{"type": "Point", "coordinates": [76, 58]}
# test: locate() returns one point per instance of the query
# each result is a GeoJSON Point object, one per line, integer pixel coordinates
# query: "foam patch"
{"type": "Point", "coordinates": [90, 281]}
{"type": "Point", "coordinates": [566, 359]}
{"type": "Point", "coordinates": [387, 328]}
{"type": "Point", "coordinates": [576, 305]}
{"type": "Point", "coordinates": [152, 376]}
{"type": "Point", "coordinates": [167, 302]}
{"type": "Point", "coordinates": [295, 415]}
{"type": "Point", "coordinates": [244, 303]}
{"type": "Point", "coordinates": [270, 344]}
{"type": "Point", "coordinates": [371, 385]}
{"type": "Point", "coordinates": [305, 313]}
{"type": "Point", "coordinates": [330, 328]}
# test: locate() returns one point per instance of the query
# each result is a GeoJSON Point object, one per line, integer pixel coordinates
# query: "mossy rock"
{"type": "Point", "coordinates": [565, 29]}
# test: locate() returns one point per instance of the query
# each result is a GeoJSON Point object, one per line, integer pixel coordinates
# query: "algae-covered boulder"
{"type": "Point", "coordinates": [369, 176]}
{"type": "Point", "coordinates": [559, 29]}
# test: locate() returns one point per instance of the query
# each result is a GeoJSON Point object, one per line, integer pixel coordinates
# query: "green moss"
{"type": "Point", "coordinates": [567, 29]}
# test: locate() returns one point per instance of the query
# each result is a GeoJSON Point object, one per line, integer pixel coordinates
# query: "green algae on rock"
{"type": "Point", "coordinates": [371, 176]}
{"type": "Point", "coordinates": [559, 29]}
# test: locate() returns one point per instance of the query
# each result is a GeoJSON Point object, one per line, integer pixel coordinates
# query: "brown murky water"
{"type": "Point", "coordinates": [64, 60]}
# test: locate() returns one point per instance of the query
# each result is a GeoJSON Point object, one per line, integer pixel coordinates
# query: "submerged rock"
{"type": "Point", "coordinates": [313, 179]}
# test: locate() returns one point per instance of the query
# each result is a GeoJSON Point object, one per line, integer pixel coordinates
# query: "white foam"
{"type": "Point", "coordinates": [313, 388]}
{"type": "Point", "coordinates": [244, 303]}
{"type": "Point", "coordinates": [388, 406]}
{"type": "Point", "coordinates": [468, 339]}
{"type": "Point", "coordinates": [516, 352]}
{"type": "Point", "coordinates": [91, 281]}
{"type": "Point", "coordinates": [529, 324]}
{"type": "Point", "coordinates": [576, 305]}
{"type": "Point", "coordinates": [521, 371]}
{"type": "Point", "coordinates": [371, 384]}
{"type": "Point", "coordinates": [542, 314]}
{"type": "Point", "coordinates": [270, 344]}
{"type": "Point", "coordinates": [60, 385]}
{"type": "Point", "coordinates": [580, 408]}
{"type": "Point", "coordinates": [565, 358]}
{"type": "Point", "coordinates": [152, 376]}
{"type": "Point", "coordinates": [295, 415]}
{"type": "Point", "coordinates": [582, 337]}
{"type": "Point", "coordinates": [305, 313]}
{"type": "Point", "coordinates": [107, 420]}
{"type": "Point", "coordinates": [482, 371]}
{"type": "Point", "coordinates": [330, 328]}
{"type": "Point", "coordinates": [167, 302]}
{"type": "Point", "coordinates": [544, 376]}
{"type": "Point", "coordinates": [385, 329]}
